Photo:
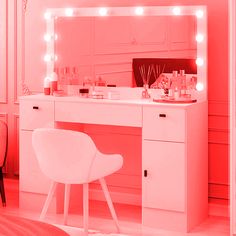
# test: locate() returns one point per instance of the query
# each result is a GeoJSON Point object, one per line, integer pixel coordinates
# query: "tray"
{"type": "Point", "coordinates": [175, 101]}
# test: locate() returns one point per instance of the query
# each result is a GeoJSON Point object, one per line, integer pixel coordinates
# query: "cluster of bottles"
{"type": "Point", "coordinates": [67, 76]}
{"type": "Point", "coordinates": [66, 81]}
{"type": "Point", "coordinates": [177, 86]}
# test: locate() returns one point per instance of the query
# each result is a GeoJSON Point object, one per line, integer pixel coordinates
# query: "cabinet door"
{"type": "Point", "coordinates": [31, 178]}
{"type": "Point", "coordinates": [164, 167]}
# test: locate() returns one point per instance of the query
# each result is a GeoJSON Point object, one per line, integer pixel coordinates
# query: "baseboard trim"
{"type": "Point", "coordinates": [123, 198]}
{"type": "Point", "coordinates": [218, 210]}
{"type": "Point", "coordinates": [134, 199]}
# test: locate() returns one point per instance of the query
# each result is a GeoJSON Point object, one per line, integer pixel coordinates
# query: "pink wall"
{"type": "Point", "coordinates": [217, 73]}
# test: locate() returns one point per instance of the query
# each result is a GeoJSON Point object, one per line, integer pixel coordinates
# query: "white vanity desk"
{"type": "Point", "coordinates": [174, 151]}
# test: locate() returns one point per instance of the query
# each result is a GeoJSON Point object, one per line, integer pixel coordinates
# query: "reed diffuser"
{"type": "Point", "coordinates": [145, 75]}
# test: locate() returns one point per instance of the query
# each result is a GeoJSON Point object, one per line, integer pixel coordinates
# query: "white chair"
{"type": "Point", "coordinates": [71, 157]}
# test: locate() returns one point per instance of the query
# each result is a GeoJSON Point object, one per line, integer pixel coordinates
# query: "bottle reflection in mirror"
{"type": "Point", "coordinates": [68, 79]}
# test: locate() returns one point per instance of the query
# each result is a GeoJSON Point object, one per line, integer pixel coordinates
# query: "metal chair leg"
{"type": "Point", "coordinates": [2, 190]}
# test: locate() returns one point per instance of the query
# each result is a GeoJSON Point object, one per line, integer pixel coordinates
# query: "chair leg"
{"type": "Point", "coordinates": [66, 202]}
{"type": "Point", "coordinates": [86, 206]}
{"type": "Point", "coordinates": [2, 190]}
{"type": "Point", "coordinates": [109, 202]}
{"type": "Point", "coordinates": [48, 200]}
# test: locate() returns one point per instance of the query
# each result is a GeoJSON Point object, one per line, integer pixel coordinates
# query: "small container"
{"type": "Point", "coordinates": [46, 86]}
{"type": "Point", "coordinates": [84, 92]}
{"type": "Point", "coordinates": [113, 95]}
{"type": "Point", "coordinates": [176, 94]}
{"type": "Point", "coordinates": [53, 82]}
{"type": "Point", "coordinates": [100, 82]}
{"type": "Point", "coordinates": [46, 91]}
{"type": "Point", "coordinates": [53, 86]}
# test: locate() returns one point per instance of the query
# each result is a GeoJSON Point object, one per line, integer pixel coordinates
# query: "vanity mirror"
{"type": "Point", "coordinates": [102, 42]}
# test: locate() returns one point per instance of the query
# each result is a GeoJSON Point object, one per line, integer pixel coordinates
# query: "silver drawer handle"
{"type": "Point", "coordinates": [162, 115]}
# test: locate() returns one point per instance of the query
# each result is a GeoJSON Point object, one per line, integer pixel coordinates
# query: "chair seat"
{"type": "Point", "coordinates": [105, 165]}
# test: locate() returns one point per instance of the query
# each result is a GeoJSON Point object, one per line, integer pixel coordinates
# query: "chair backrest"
{"type": "Point", "coordinates": [64, 156]}
{"type": "Point", "coordinates": [3, 142]}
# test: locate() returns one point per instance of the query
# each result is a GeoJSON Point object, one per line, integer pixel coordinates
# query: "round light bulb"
{"type": "Point", "coordinates": [199, 61]}
{"type": "Point", "coordinates": [103, 11]}
{"type": "Point", "coordinates": [199, 38]}
{"type": "Point", "coordinates": [199, 13]}
{"type": "Point", "coordinates": [139, 11]}
{"type": "Point", "coordinates": [47, 15]}
{"type": "Point", "coordinates": [200, 87]}
{"type": "Point", "coordinates": [48, 58]}
{"type": "Point", "coordinates": [50, 37]}
{"type": "Point", "coordinates": [176, 11]}
{"type": "Point", "coordinates": [47, 37]}
{"type": "Point", "coordinates": [69, 12]}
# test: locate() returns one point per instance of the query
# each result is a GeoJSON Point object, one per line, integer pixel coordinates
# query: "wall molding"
{"type": "Point", "coordinates": [16, 141]}
{"type": "Point", "coordinates": [4, 79]}
{"type": "Point", "coordinates": [218, 210]}
{"type": "Point", "coordinates": [24, 4]}
{"type": "Point", "coordinates": [21, 10]}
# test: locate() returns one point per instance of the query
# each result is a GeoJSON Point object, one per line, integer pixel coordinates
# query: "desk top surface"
{"type": "Point", "coordinates": [77, 99]}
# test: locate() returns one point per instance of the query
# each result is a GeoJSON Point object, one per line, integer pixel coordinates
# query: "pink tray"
{"type": "Point", "coordinates": [175, 101]}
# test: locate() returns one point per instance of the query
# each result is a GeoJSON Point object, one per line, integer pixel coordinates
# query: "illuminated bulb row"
{"type": "Point", "coordinates": [138, 11]}
{"type": "Point", "coordinates": [69, 12]}
{"type": "Point", "coordinates": [177, 11]}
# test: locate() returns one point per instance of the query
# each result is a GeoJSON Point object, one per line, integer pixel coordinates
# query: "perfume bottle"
{"type": "Point", "coordinates": [175, 85]}
{"type": "Point", "coordinates": [183, 87]}
{"type": "Point", "coordinates": [46, 86]}
{"type": "Point", "coordinates": [99, 81]}
{"type": "Point", "coordinates": [53, 83]}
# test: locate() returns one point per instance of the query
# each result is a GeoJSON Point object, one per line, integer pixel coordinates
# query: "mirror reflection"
{"type": "Point", "coordinates": [102, 49]}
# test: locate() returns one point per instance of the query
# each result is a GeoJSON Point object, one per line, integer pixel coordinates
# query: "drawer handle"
{"type": "Point", "coordinates": [162, 115]}
{"type": "Point", "coordinates": [145, 173]}
{"type": "Point", "coordinates": [35, 107]}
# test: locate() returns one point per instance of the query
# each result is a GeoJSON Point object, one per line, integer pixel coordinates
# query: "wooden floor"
{"type": "Point", "coordinates": [129, 218]}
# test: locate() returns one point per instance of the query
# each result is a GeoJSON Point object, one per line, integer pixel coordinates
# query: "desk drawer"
{"type": "Point", "coordinates": [105, 114]}
{"type": "Point", "coordinates": [36, 114]}
{"type": "Point", "coordinates": [167, 124]}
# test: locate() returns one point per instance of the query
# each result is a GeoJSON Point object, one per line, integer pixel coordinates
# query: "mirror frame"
{"type": "Point", "coordinates": [201, 35]}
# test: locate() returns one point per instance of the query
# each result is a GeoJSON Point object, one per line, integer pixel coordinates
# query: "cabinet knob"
{"type": "Point", "coordinates": [145, 173]}
{"type": "Point", "coordinates": [162, 115]}
{"type": "Point", "coordinates": [35, 107]}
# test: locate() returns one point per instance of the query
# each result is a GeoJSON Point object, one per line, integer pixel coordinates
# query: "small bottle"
{"type": "Point", "coordinates": [99, 81]}
{"type": "Point", "coordinates": [46, 86]}
{"type": "Point", "coordinates": [176, 93]}
{"type": "Point", "coordinates": [175, 84]}
{"type": "Point", "coordinates": [75, 76]}
{"type": "Point", "coordinates": [183, 86]}
{"type": "Point", "coordinates": [53, 82]}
